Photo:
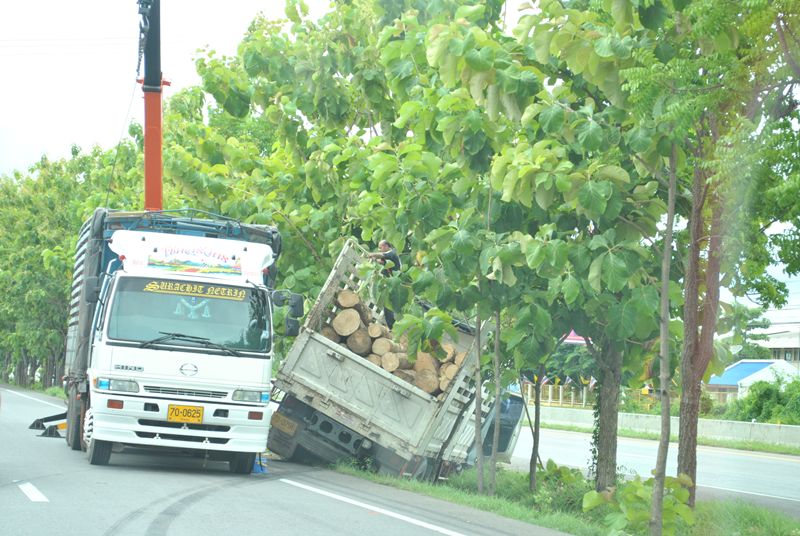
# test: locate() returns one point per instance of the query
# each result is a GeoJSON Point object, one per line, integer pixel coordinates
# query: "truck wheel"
{"type": "Point", "coordinates": [74, 432]}
{"type": "Point", "coordinates": [99, 451]}
{"type": "Point", "coordinates": [241, 463]}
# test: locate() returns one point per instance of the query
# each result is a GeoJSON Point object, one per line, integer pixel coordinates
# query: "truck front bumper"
{"type": "Point", "coordinates": [144, 421]}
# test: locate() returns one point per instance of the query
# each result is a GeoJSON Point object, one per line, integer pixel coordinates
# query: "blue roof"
{"type": "Point", "coordinates": [739, 371]}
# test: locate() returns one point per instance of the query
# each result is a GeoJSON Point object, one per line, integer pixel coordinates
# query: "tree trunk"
{"type": "Point", "coordinates": [700, 322]}
{"type": "Point", "coordinates": [537, 412]}
{"type": "Point", "coordinates": [657, 506]}
{"type": "Point", "coordinates": [478, 407]}
{"type": "Point", "coordinates": [497, 401]}
{"type": "Point", "coordinates": [611, 375]}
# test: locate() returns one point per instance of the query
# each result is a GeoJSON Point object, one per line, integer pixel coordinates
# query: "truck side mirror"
{"type": "Point", "coordinates": [292, 327]}
{"type": "Point", "coordinates": [92, 294]}
{"type": "Point", "coordinates": [279, 297]}
{"type": "Point", "coordinates": [296, 309]}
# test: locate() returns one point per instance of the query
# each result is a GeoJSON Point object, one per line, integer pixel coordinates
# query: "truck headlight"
{"type": "Point", "coordinates": [110, 384]}
{"type": "Point", "coordinates": [241, 395]}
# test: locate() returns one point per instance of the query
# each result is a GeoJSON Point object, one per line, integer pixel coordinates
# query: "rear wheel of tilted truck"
{"type": "Point", "coordinates": [241, 463]}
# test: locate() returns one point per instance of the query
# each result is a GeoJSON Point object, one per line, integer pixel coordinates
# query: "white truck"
{"type": "Point", "coordinates": [337, 405]}
{"type": "Point", "coordinates": [170, 337]}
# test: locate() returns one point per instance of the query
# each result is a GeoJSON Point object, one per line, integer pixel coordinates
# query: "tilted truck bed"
{"type": "Point", "coordinates": [369, 400]}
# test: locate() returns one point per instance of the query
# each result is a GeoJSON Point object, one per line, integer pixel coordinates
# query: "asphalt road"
{"type": "Point", "coordinates": [48, 489]}
{"type": "Point", "coordinates": [761, 478]}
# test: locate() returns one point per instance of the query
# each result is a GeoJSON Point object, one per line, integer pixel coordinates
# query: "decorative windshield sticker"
{"type": "Point", "coordinates": [194, 260]}
{"type": "Point", "coordinates": [177, 288]}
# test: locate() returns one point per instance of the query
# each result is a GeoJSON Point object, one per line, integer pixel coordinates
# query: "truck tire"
{"type": "Point", "coordinates": [98, 451]}
{"type": "Point", "coordinates": [241, 463]}
{"type": "Point", "coordinates": [74, 433]}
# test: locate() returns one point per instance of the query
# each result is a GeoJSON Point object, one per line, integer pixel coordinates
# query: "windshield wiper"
{"type": "Point", "coordinates": [202, 341]}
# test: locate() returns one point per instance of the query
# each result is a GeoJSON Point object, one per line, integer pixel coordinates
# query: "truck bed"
{"type": "Point", "coordinates": [369, 400]}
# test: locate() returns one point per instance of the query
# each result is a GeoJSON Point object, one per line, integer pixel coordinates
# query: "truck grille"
{"type": "Point", "coordinates": [184, 392]}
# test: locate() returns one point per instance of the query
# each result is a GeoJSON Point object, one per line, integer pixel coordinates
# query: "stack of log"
{"type": "Point", "coordinates": [354, 325]}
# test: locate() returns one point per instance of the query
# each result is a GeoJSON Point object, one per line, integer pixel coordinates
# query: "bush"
{"type": "Point", "coordinates": [560, 489]}
{"type": "Point", "coordinates": [771, 402]}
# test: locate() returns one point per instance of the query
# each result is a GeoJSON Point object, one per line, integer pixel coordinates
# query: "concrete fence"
{"type": "Point", "coordinates": [777, 434]}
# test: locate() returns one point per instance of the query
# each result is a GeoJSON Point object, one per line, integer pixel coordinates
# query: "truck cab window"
{"type": "Point", "coordinates": [233, 316]}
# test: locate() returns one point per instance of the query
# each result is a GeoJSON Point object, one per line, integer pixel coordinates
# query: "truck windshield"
{"type": "Point", "coordinates": [226, 316]}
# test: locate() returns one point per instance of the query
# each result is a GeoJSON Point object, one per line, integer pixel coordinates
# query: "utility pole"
{"type": "Point", "coordinates": [150, 32]}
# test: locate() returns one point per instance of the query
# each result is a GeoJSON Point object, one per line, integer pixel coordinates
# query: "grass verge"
{"type": "Point", "coordinates": [557, 505]}
{"type": "Point", "coordinates": [724, 443]}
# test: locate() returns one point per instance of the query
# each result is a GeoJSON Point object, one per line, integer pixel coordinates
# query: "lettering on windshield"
{"type": "Point", "coordinates": [195, 290]}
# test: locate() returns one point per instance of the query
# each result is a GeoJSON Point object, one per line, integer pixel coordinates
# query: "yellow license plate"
{"type": "Point", "coordinates": [191, 414]}
{"type": "Point", "coordinates": [284, 424]}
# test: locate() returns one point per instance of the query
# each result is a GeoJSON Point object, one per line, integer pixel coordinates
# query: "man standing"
{"type": "Point", "coordinates": [391, 260]}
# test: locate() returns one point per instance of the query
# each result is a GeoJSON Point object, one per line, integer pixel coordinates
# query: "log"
{"type": "Point", "coordinates": [427, 380]}
{"type": "Point", "coordinates": [426, 361]}
{"type": "Point", "coordinates": [365, 313]}
{"type": "Point", "coordinates": [449, 352]}
{"type": "Point", "coordinates": [383, 345]}
{"type": "Point", "coordinates": [360, 342]}
{"type": "Point", "coordinates": [346, 298]}
{"type": "Point", "coordinates": [406, 375]}
{"type": "Point", "coordinates": [449, 370]}
{"type": "Point", "coordinates": [460, 356]}
{"type": "Point", "coordinates": [377, 331]}
{"type": "Point", "coordinates": [375, 359]}
{"type": "Point", "coordinates": [330, 333]}
{"type": "Point", "coordinates": [392, 361]}
{"type": "Point", "coordinates": [346, 322]}
{"type": "Point", "coordinates": [444, 383]}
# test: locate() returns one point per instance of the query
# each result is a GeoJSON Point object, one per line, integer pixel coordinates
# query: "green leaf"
{"type": "Point", "coordinates": [571, 289]}
{"type": "Point", "coordinates": [551, 118]}
{"type": "Point", "coordinates": [542, 37]}
{"type": "Point", "coordinates": [480, 60]}
{"type": "Point", "coordinates": [471, 13]}
{"type": "Point", "coordinates": [592, 500]}
{"type": "Point", "coordinates": [653, 17]}
{"type": "Point", "coordinates": [408, 110]}
{"type": "Point", "coordinates": [590, 136]}
{"type": "Point", "coordinates": [639, 139]}
{"type": "Point", "coordinates": [615, 272]}
{"type": "Point", "coordinates": [595, 272]}
{"type": "Point", "coordinates": [614, 173]}
{"type": "Point", "coordinates": [623, 14]}
{"type": "Point", "coordinates": [535, 255]}
{"type": "Point", "coordinates": [593, 197]}
{"type": "Point", "coordinates": [604, 47]}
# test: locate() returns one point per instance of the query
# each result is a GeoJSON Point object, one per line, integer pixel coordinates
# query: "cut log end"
{"type": "Point", "coordinates": [346, 322]}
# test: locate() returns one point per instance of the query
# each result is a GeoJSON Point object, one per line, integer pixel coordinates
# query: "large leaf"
{"type": "Point", "coordinates": [480, 60]}
{"type": "Point", "coordinates": [551, 118]}
{"type": "Point", "coordinates": [615, 272]}
{"type": "Point", "coordinates": [593, 197]}
{"type": "Point", "coordinates": [653, 16]}
{"type": "Point", "coordinates": [590, 136]}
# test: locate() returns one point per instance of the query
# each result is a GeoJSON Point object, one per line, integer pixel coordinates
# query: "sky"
{"type": "Point", "coordinates": [69, 68]}
{"type": "Point", "coordinates": [69, 74]}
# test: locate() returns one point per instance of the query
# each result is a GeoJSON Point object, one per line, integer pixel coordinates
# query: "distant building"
{"type": "Point", "coordinates": [737, 378]}
{"type": "Point", "coordinates": [784, 343]}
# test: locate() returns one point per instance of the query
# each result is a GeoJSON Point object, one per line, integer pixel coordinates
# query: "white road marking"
{"type": "Point", "coordinates": [36, 399]}
{"type": "Point", "coordinates": [750, 493]}
{"type": "Point", "coordinates": [401, 517]}
{"type": "Point", "coordinates": [33, 492]}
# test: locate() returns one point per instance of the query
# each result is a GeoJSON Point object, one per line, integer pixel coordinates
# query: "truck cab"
{"type": "Point", "coordinates": [170, 343]}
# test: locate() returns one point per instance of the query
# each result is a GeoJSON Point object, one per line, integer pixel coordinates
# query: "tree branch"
{"type": "Point", "coordinates": [782, 38]}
